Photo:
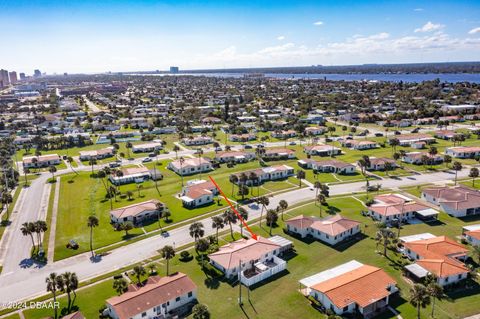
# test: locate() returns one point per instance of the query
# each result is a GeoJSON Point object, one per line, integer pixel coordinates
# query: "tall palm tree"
{"type": "Point", "coordinates": [196, 230]}
{"type": "Point", "coordinates": [321, 200]}
{"type": "Point", "coordinates": [70, 161]}
{"type": "Point", "coordinates": [40, 227]}
{"type": "Point", "coordinates": [394, 142]}
{"type": "Point", "coordinates": [202, 246]}
{"type": "Point", "coordinates": [473, 174]}
{"type": "Point", "coordinates": [160, 208]}
{"type": "Point", "coordinates": [233, 179]}
{"type": "Point", "coordinates": [283, 204]}
{"type": "Point", "coordinates": [176, 149]}
{"type": "Point", "coordinates": [264, 201]}
{"type": "Point", "coordinates": [435, 291]}
{"type": "Point", "coordinates": [229, 217]}
{"type": "Point", "coordinates": [70, 281]}
{"type": "Point", "coordinates": [317, 186]}
{"type": "Point", "coordinates": [28, 229]}
{"type": "Point", "coordinates": [385, 237]}
{"type": "Point", "coordinates": [300, 176]}
{"type": "Point", "coordinates": [271, 218]}
{"type": "Point", "coordinates": [92, 222]}
{"type": "Point", "coordinates": [181, 161]}
{"type": "Point", "coordinates": [54, 284]}
{"type": "Point", "coordinates": [128, 146]}
{"type": "Point", "coordinates": [168, 253]}
{"type": "Point", "coordinates": [217, 223]}
{"type": "Point", "coordinates": [244, 214]}
{"type": "Point", "coordinates": [419, 297]}
{"type": "Point", "coordinates": [457, 166]}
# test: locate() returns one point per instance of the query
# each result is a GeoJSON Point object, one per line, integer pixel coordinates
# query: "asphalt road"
{"type": "Point", "coordinates": [20, 283]}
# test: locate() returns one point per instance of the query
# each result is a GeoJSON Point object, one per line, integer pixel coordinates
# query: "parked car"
{"type": "Point", "coordinates": [397, 133]}
{"type": "Point", "coordinates": [151, 155]}
{"type": "Point", "coordinates": [248, 146]}
{"type": "Point", "coordinates": [114, 164]}
{"type": "Point", "coordinates": [293, 143]}
{"type": "Point", "coordinates": [217, 149]}
{"type": "Point", "coordinates": [415, 130]}
{"type": "Point", "coordinates": [378, 134]}
{"type": "Point", "coordinates": [146, 160]}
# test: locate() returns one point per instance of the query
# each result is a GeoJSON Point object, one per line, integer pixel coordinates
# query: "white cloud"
{"type": "Point", "coordinates": [429, 27]}
{"type": "Point", "coordinates": [318, 23]}
{"type": "Point", "coordinates": [281, 37]}
{"type": "Point", "coordinates": [475, 30]}
{"type": "Point", "coordinates": [418, 9]}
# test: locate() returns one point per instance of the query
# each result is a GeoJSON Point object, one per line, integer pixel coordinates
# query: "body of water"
{"type": "Point", "coordinates": [444, 77]}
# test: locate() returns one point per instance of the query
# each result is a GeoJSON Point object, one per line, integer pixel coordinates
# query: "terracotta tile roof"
{"type": "Point", "coordinates": [190, 162]}
{"type": "Point", "coordinates": [245, 250]}
{"type": "Point", "coordinates": [381, 160]}
{"type": "Point", "coordinates": [135, 209]}
{"type": "Point", "coordinates": [134, 170]}
{"type": "Point", "coordinates": [395, 209]}
{"type": "Point", "coordinates": [442, 267]}
{"type": "Point", "coordinates": [457, 197]}
{"type": "Point", "coordinates": [408, 137]}
{"type": "Point", "coordinates": [198, 190]}
{"type": "Point", "coordinates": [363, 286]}
{"type": "Point", "coordinates": [270, 151]}
{"type": "Point", "coordinates": [319, 148]}
{"type": "Point", "coordinates": [156, 291]}
{"type": "Point", "coordinates": [41, 158]}
{"type": "Point", "coordinates": [474, 234]}
{"type": "Point", "coordinates": [75, 315]}
{"type": "Point", "coordinates": [332, 225]}
{"type": "Point", "coordinates": [465, 149]}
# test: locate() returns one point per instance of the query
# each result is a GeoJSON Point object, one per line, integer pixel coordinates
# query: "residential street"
{"type": "Point", "coordinates": [20, 281]}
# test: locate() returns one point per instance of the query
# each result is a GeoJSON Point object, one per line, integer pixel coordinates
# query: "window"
{"type": "Point", "coordinates": [190, 294]}
{"type": "Point", "coordinates": [144, 314]}
{"type": "Point", "coordinates": [177, 299]}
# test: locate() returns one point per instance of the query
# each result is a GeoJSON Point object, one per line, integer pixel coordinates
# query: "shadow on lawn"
{"type": "Point", "coordinates": [344, 245]}
{"type": "Point", "coordinates": [468, 288]}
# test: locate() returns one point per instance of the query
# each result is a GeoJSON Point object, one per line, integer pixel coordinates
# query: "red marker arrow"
{"type": "Point", "coordinates": [254, 236]}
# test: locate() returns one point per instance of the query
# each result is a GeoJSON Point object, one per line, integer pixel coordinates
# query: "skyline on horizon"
{"type": "Point", "coordinates": [85, 37]}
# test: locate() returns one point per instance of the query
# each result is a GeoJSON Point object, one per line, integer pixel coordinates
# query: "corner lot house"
{"type": "Point", "coordinates": [198, 193]}
{"type": "Point", "coordinates": [41, 161]}
{"type": "Point", "coordinates": [278, 154]}
{"type": "Point", "coordinates": [135, 213]}
{"type": "Point", "coordinates": [322, 150]}
{"type": "Point", "coordinates": [256, 260]}
{"type": "Point", "coordinates": [471, 234]}
{"type": "Point", "coordinates": [330, 230]}
{"type": "Point", "coordinates": [463, 151]}
{"type": "Point", "coordinates": [160, 297]}
{"type": "Point", "coordinates": [130, 175]}
{"type": "Point", "coordinates": [147, 147]}
{"type": "Point", "coordinates": [234, 156]}
{"type": "Point", "coordinates": [440, 256]}
{"type": "Point", "coordinates": [96, 154]}
{"type": "Point", "coordinates": [351, 287]}
{"type": "Point", "coordinates": [396, 207]}
{"type": "Point", "coordinates": [458, 201]}
{"type": "Point", "coordinates": [190, 166]}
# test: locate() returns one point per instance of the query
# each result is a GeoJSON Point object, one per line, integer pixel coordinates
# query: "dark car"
{"type": "Point", "coordinates": [378, 134]}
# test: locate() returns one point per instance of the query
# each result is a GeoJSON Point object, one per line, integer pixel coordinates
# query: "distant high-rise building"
{"type": "Point", "coordinates": [174, 69]}
{"type": "Point", "coordinates": [13, 77]}
{"type": "Point", "coordinates": [22, 76]}
{"type": "Point", "coordinates": [4, 80]}
{"type": "Point", "coordinates": [37, 73]}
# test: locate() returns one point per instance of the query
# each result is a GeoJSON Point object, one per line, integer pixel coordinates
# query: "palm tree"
{"type": "Point", "coordinates": [200, 311]}
{"type": "Point", "coordinates": [139, 271]}
{"type": "Point", "coordinates": [283, 204]}
{"type": "Point", "coordinates": [476, 252]}
{"type": "Point", "coordinates": [394, 142]}
{"type": "Point", "coordinates": [181, 161]}
{"type": "Point", "coordinates": [229, 217]}
{"type": "Point", "coordinates": [244, 214]}
{"type": "Point", "coordinates": [92, 161]}
{"type": "Point", "coordinates": [435, 291]}
{"type": "Point", "coordinates": [128, 146]}
{"type": "Point", "coordinates": [432, 151]}
{"type": "Point", "coordinates": [52, 169]}
{"type": "Point", "coordinates": [168, 253]}
{"type": "Point", "coordinates": [202, 246]}
{"type": "Point", "coordinates": [70, 281]}
{"type": "Point", "coordinates": [233, 179]}
{"type": "Point", "coordinates": [447, 159]}
{"type": "Point", "coordinates": [196, 230]}
{"type": "Point", "coordinates": [120, 285]}
{"type": "Point", "coordinates": [54, 284]}
{"type": "Point", "coordinates": [317, 186]}
{"type": "Point", "coordinates": [419, 297]}
{"type": "Point", "coordinates": [126, 227]}
{"type": "Point", "coordinates": [271, 218]}
{"type": "Point", "coordinates": [385, 237]}
{"type": "Point", "coordinates": [300, 176]}
{"type": "Point", "coordinates": [129, 195]}
{"type": "Point", "coordinates": [264, 201]}
{"type": "Point", "coordinates": [70, 161]}
{"type": "Point", "coordinates": [473, 174]}
{"type": "Point", "coordinates": [28, 229]}
{"type": "Point", "coordinates": [160, 207]}
{"type": "Point", "coordinates": [321, 201]}
{"type": "Point", "coordinates": [40, 227]}
{"type": "Point", "coordinates": [176, 149]}
{"type": "Point", "coordinates": [457, 166]}
{"type": "Point", "coordinates": [217, 223]}
{"type": "Point", "coordinates": [92, 222]}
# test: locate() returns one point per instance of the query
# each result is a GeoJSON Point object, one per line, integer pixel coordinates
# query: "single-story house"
{"type": "Point", "coordinates": [350, 288]}
{"type": "Point", "coordinates": [378, 164]}
{"type": "Point", "coordinates": [458, 201]}
{"type": "Point", "coordinates": [147, 147]}
{"type": "Point", "coordinates": [463, 151]}
{"type": "Point", "coordinates": [359, 144]}
{"type": "Point", "coordinates": [278, 154]}
{"type": "Point", "coordinates": [158, 298]}
{"type": "Point", "coordinates": [198, 193]}
{"type": "Point", "coordinates": [331, 230]}
{"type": "Point", "coordinates": [97, 154]}
{"type": "Point", "coordinates": [41, 161]}
{"type": "Point", "coordinates": [328, 166]}
{"type": "Point", "coordinates": [408, 139]}
{"type": "Point", "coordinates": [190, 166]}
{"type": "Point", "coordinates": [284, 134]}
{"type": "Point", "coordinates": [242, 137]}
{"type": "Point", "coordinates": [264, 174]}
{"type": "Point", "coordinates": [314, 130]}
{"type": "Point", "coordinates": [445, 134]}
{"type": "Point", "coordinates": [197, 140]}
{"type": "Point", "coordinates": [135, 213]}
{"type": "Point", "coordinates": [130, 175]}
{"type": "Point", "coordinates": [417, 158]}
{"type": "Point", "coordinates": [322, 150]}
{"type": "Point", "coordinates": [471, 234]}
{"type": "Point", "coordinates": [234, 156]}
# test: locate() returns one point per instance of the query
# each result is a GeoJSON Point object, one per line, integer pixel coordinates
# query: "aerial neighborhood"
{"type": "Point", "coordinates": [135, 196]}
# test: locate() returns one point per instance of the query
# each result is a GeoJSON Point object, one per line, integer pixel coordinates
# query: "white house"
{"type": "Point", "coordinates": [198, 193]}
{"type": "Point", "coordinates": [351, 287]}
{"type": "Point", "coordinates": [41, 161]}
{"type": "Point", "coordinates": [130, 175]}
{"type": "Point", "coordinates": [458, 201]}
{"type": "Point", "coordinates": [135, 213]}
{"type": "Point", "coordinates": [322, 150]}
{"type": "Point", "coordinates": [388, 208]}
{"type": "Point", "coordinates": [190, 166]}
{"type": "Point", "coordinates": [330, 230]}
{"type": "Point", "coordinates": [328, 166]}
{"type": "Point", "coordinates": [242, 137]}
{"type": "Point", "coordinates": [234, 156]}
{"type": "Point", "coordinates": [147, 147]}
{"type": "Point", "coordinates": [284, 134]}
{"type": "Point", "coordinates": [471, 233]}
{"type": "Point", "coordinates": [440, 256]}
{"type": "Point", "coordinates": [463, 151]}
{"type": "Point", "coordinates": [97, 154]}
{"type": "Point", "coordinates": [408, 139]}
{"type": "Point", "coordinates": [314, 130]}
{"type": "Point", "coordinates": [278, 154]}
{"type": "Point", "coordinates": [160, 297]}
{"type": "Point", "coordinates": [264, 174]}
{"type": "Point", "coordinates": [359, 144]}
{"type": "Point", "coordinates": [417, 158]}
{"type": "Point", "coordinates": [197, 140]}
{"type": "Point", "coordinates": [379, 164]}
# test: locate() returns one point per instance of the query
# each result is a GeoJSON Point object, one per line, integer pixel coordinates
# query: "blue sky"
{"type": "Point", "coordinates": [98, 36]}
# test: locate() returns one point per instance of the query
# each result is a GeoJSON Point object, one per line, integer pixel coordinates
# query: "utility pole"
{"type": "Point", "coordinates": [240, 283]}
